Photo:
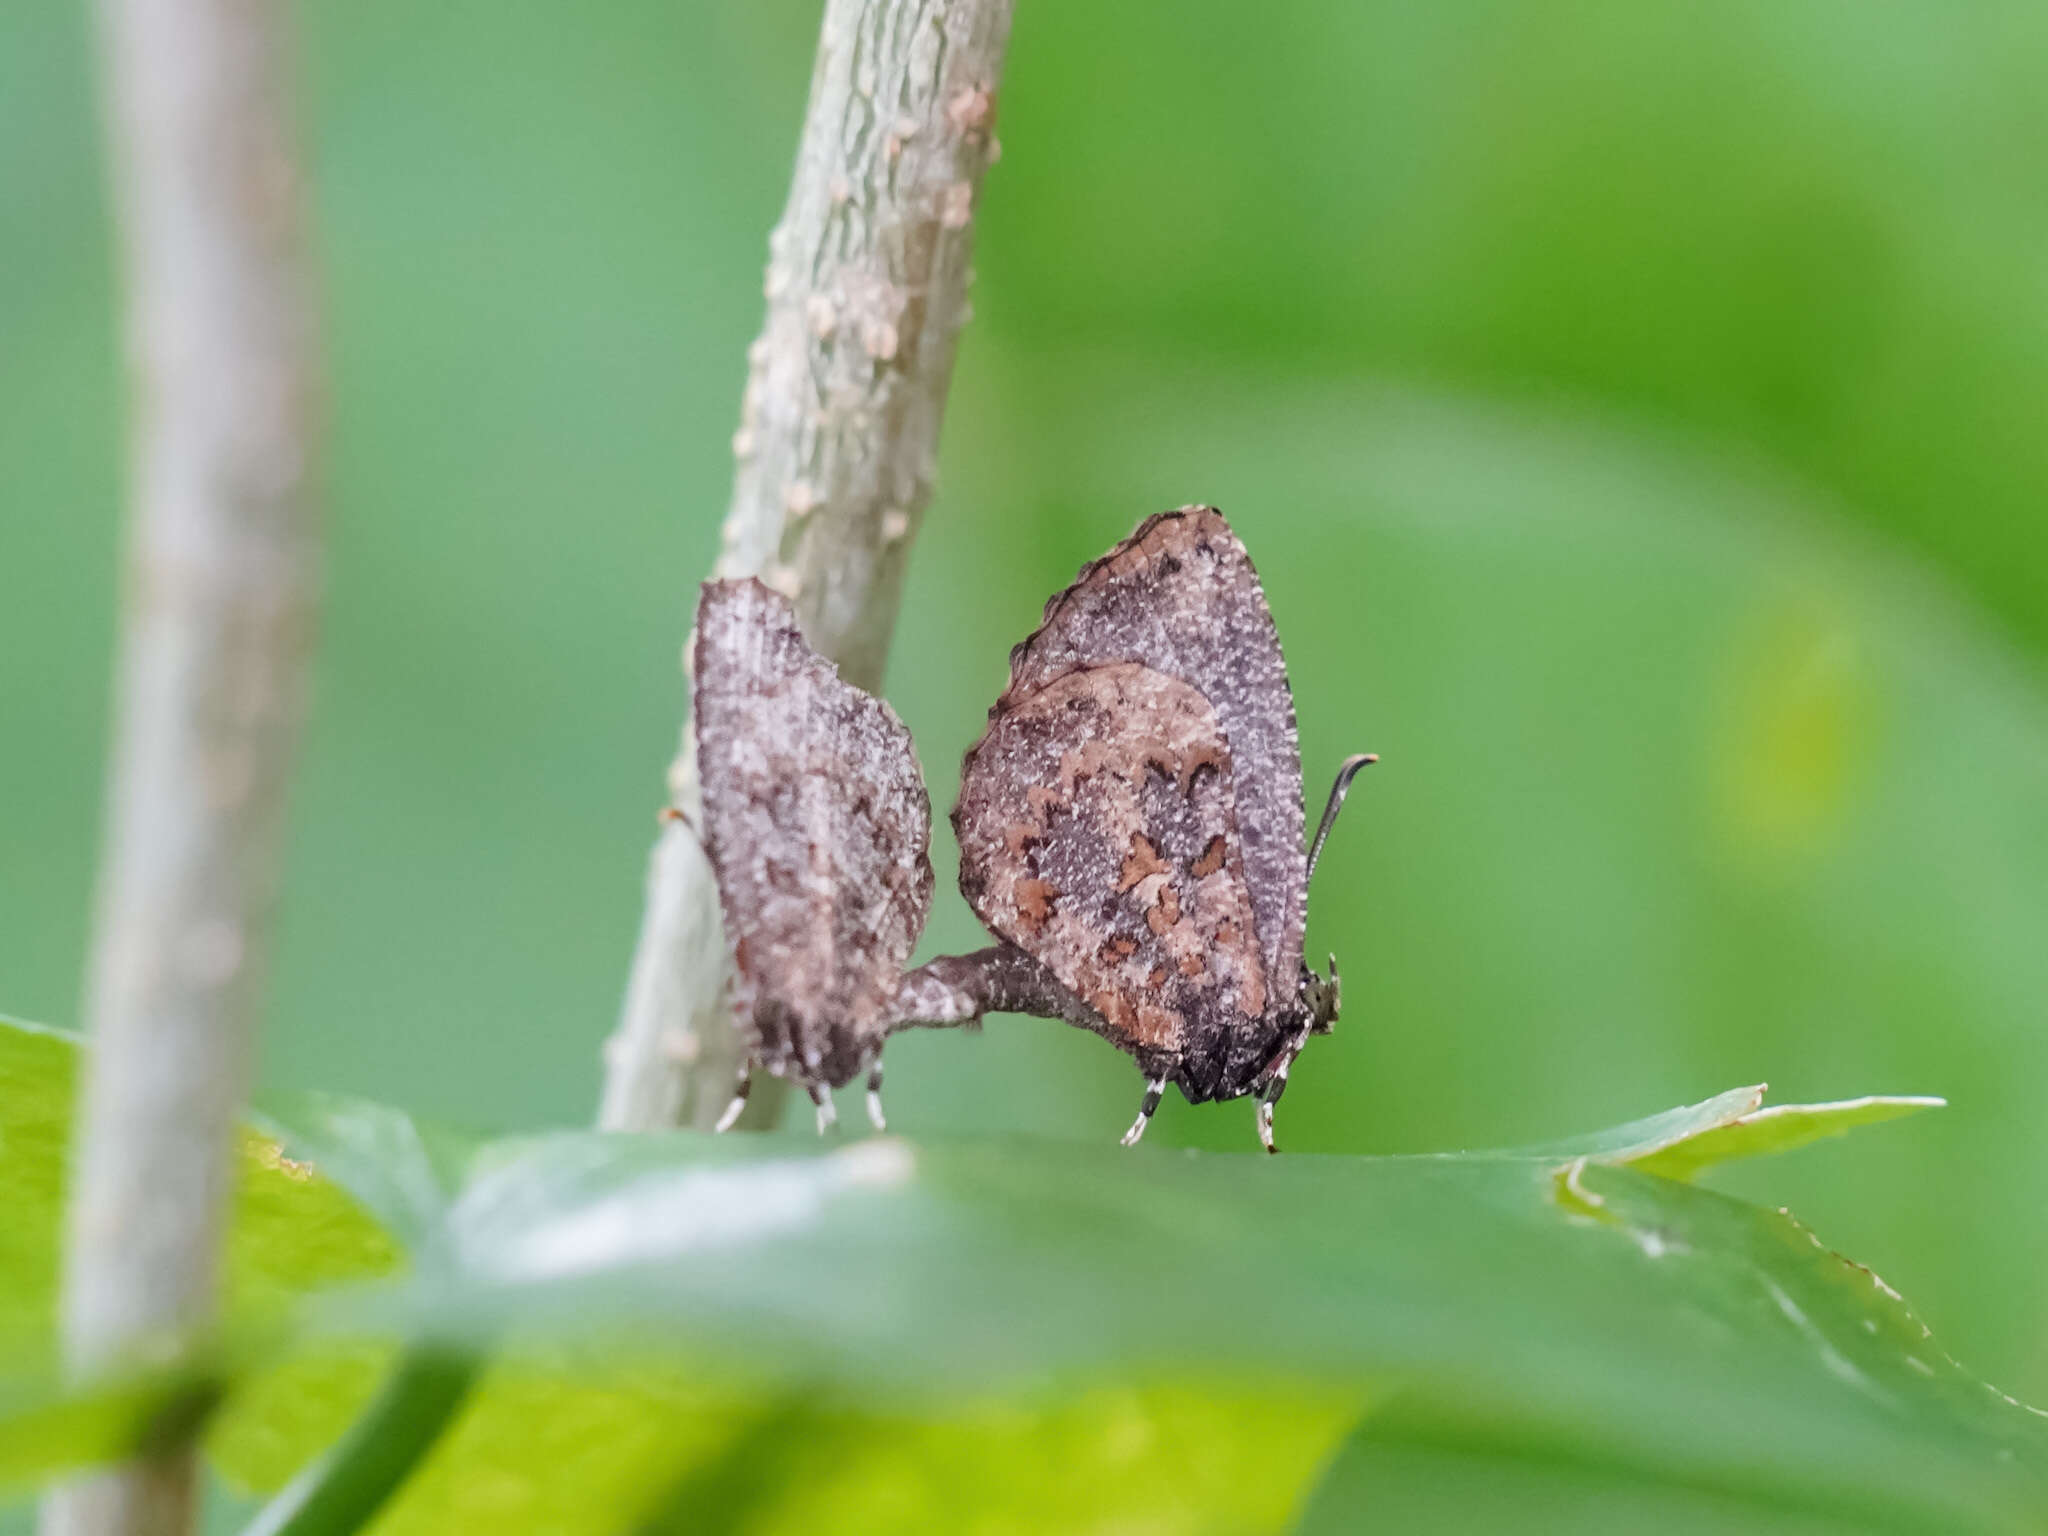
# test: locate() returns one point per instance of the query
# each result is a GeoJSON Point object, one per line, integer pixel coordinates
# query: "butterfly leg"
{"type": "Point", "coordinates": [1269, 1093]}
{"type": "Point", "coordinates": [1154, 1087]}
{"type": "Point", "coordinates": [875, 1115]}
{"type": "Point", "coordinates": [1265, 1112]}
{"type": "Point", "coordinates": [740, 1090]}
{"type": "Point", "coordinates": [828, 1116]}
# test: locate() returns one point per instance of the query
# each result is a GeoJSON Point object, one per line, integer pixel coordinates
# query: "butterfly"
{"type": "Point", "coordinates": [1132, 820]}
{"type": "Point", "coordinates": [818, 829]}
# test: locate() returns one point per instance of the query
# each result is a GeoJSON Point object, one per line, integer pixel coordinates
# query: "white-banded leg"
{"type": "Point", "coordinates": [1269, 1092]}
{"type": "Point", "coordinates": [875, 1116]}
{"type": "Point", "coordinates": [1154, 1087]}
{"type": "Point", "coordinates": [827, 1115]}
{"type": "Point", "coordinates": [740, 1090]}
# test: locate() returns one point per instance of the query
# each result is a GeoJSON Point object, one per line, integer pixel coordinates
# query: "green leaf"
{"type": "Point", "coordinates": [1387, 1478]}
{"type": "Point", "coordinates": [942, 1318]}
{"type": "Point", "coordinates": [1778, 1128]}
{"type": "Point", "coordinates": [293, 1232]}
{"type": "Point", "coordinates": [403, 1172]}
{"type": "Point", "coordinates": [1681, 1143]}
{"type": "Point", "coordinates": [554, 1451]}
{"type": "Point", "coordinates": [551, 1449]}
{"type": "Point", "coordinates": [1637, 1323]}
{"type": "Point", "coordinates": [1623, 1143]}
{"type": "Point", "coordinates": [1458, 1459]}
{"type": "Point", "coordinates": [344, 1490]}
{"type": "Point", "coordinates": [45, 1429]}
{"type": "Point", "coordinates": [35, 1111]}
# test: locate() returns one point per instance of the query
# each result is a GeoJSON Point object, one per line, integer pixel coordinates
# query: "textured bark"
{"type": "Point", "coordinates": [219, 600]}
{"type": "Point", "coordinates": [866, 286]}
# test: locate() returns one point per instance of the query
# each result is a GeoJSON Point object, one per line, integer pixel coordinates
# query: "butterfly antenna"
{"type": "Point", "coordinates": [1338, 791]}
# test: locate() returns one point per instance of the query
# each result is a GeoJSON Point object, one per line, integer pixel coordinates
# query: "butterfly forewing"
{"type": "Point", "coordinates": [1120, 867]}
{"type": "Point", "coordinates": [818, 827]}
{"type": "Point", "coordinates": [1180, 595]}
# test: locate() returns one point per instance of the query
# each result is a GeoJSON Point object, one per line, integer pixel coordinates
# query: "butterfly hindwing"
{"type": "Point", "coordinates": [1119, 865]}
{"type": "Point", "coordinates": [818, 827]}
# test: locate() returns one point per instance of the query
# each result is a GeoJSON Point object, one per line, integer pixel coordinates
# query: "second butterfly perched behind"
{"type": "Point", "coordinates": [818, 829]}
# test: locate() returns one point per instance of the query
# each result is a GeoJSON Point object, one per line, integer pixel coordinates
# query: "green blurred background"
{"type": "Point", "coordinates": [1636, 413]}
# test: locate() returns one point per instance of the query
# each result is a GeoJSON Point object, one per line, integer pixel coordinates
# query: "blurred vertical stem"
{"type": "Point", "coordinates": [218, 607]}
{"type": "Point", "coordinates": [838, 438]}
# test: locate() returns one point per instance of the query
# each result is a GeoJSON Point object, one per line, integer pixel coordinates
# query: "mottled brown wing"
{"type": "Point", "coordinates": [818, 828]}
{"type": "Point", "coordinates": [1098, 834]}
{"type": "Point", "coordinates": [1180, 595]}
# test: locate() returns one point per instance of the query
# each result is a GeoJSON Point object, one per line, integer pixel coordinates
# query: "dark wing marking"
{"type": "Point", "coordinates": [818, 828]}
{"type": "Point", "coordinates": [1097, 833]}
{"type": "Point", "coordinates": [1180, 595]}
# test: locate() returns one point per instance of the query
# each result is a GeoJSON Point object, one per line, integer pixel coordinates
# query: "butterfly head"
{"type": "Point", "coordinates": [1320, 999]}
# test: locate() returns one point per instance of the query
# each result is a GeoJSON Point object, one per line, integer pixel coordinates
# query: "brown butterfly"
{"type": "Point", "coordinates": [817, 826]}
{"type": "Point", "coordinates": [1132, 820]}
